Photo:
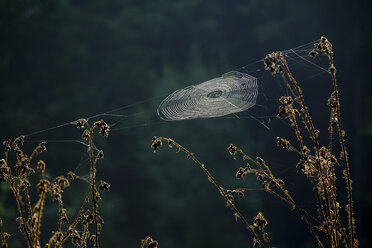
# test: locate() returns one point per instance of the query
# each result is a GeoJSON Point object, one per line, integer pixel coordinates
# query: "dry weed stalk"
{"type": "Point", "coordinates": [157, 142]}
{"type": "Point", "coordinates": [318, 163]}
{"type": "Point", "coordinates": [30, 216]}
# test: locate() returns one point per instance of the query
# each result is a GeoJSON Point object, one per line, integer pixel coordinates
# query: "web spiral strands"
{"type": "Point", "coordinates": [231, 93]}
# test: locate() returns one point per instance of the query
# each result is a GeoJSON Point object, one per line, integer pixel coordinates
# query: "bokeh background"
{"type": "Point", "coordinates": [61, 60]}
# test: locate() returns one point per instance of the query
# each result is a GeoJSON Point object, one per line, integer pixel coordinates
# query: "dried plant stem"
{"type": "Point", "coordinates": [20, 207]}
{"type": "Point", "coordinates": [214, 181]}
{"type": "Point", "coordinates": [93, 185]}
{"type": "Point", "coordinates": [266, 170]}
{"type": "Point", "coordinates": [40, 205]}
{"type": "Point", "coordinates": [29, 208]}
{"type": "Point", "coordinates": [2, 235]}
{"type": "Point", "coordinates": [290, 203]}
{"type": "Point", "coordinates": [20, 183]}
{"type": "Point", "coordinates": [303, 105]}
{"type": "Point", "coordinates": [316, 146]}
{"type": "Point", "coordinates": [330, 132]}
{"type": "Point", "coordinates": [76, 220]}
{"type": "Point", "coordinates": [345, 156]}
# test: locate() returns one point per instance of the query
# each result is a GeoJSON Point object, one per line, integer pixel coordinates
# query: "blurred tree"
{"type": "Point", "coordinates": [62, 60]}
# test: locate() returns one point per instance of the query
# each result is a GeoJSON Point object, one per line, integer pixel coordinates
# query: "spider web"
{"type": "Point", "coordinates": [231, 93]}
{"type": "Point", "coordinates": [248, 92]}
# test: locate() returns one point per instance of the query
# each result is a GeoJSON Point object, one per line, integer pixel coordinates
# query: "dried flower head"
{"type": "Point", "coordinates": [62, 181]}
{"type": "Point", "coordinates": [283, 143]}
{"type": "Point", "coordinates": [42, 186]}
{"type": "Point", "coordinates": [85, 135]}
{"type": "Point", "coordinates": [7, 143]}
{"type": "Point", "coordinates": [156, 143]}
{"type": "Point", "coordinates": [242, 172]}
{"type": "Point", "coordinates": [232, 149]}
{"type": "Point", "coordinates": [260, 221]}
{"type": "Point", "coordinates": [39, 149]}
{"type": "Point", "coordinates": [87, 217]}
{"type": "Point", "coordinates": [63, 216]}
{"type": "Point", "coordinates": [24, 185]}
{"type": "Point", "coordinates": [286, 100]}
{"type": "Point", "coordinates": [19, 141]}
{"type": "Point", "coordinates": [324, 46]}
{"type": "Point", "coordinates": [100, 155]}
{"type": "Point", "coordinates": [2, 163]}
{"type": "Point", "coordinates": [81, 123]}
{"type": "Point", "coordinates": [70, 176]}
{"type": "Point", "coordinates": [41, 166]}
{"type": "Point", "coordinates": [103, 127]}
{"type": "Point", "coordinates": [148, 242]}
{"type": "Point", "coordinates": [103, 186]}
{"type": "Point", "coordinates": [274, 62]}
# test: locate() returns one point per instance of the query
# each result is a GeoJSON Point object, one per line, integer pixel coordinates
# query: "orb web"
{"type": "Point", "coordinates": [231, 93]}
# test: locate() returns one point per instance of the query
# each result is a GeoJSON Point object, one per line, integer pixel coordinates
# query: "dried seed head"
{"type": "Point", "coordinates": [260, 221]}
{"type": "Point", "coordinates": [41, 166]}
{"type": "Point", "coordinates": [280, 142]}
{"type": "Point", "coordinates": [232, 149]}
{"type": "Point", "coordinates": [24, 184]}
{"type": "Point", "coordinates": [62, 182]}
{"type": "Point", "coordinates": [81, 123]}
{"type": "Point", "coordinates": [2, 163]}
{"type": "Point", "coordinates": [324, 46]}
{"type": "Point", "coordinates": [63, 216]}
{"type": "Point", "coordinates": [148, 242]}
{"type": "Point", "coordinates": [274, 62]}
{"type": "Point", "coordinates": [7, 143]}
{"type": "Point", "coordinates": [286, 100]}
{"type": "Point", "coordinates": [19, 141]}
{"type": "Point", "coordinates": [260, 161]}
{"type": "Point", "coordinates": [85, 135]}
{"type": "Point", "coordinates": [242, 172]}
{"type": "Point", "coordinates": [103, 186]}
{"type": "Point", "coordinates": [71, 176]}
{"type": "Point", "coordinates": [42, 186]}
{"type": "Point", "coordinates": [103, 127]}
{"type": "Point", "coordinates": [87, 217]}
{"type": "Point", "coordinates": [39, 149]}
{"type": "Point", "coordinates": [313, 53]}
{"type": "Point", "coordinates": [153, 244]}
{"type": "Point", "coordinates": [100, 155]}
{"type": "Point", "coordinates": [156, 143]}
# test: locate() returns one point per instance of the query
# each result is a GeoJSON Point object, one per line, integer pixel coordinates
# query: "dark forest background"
{"type": "Point", "coordinates": [63, 60]}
